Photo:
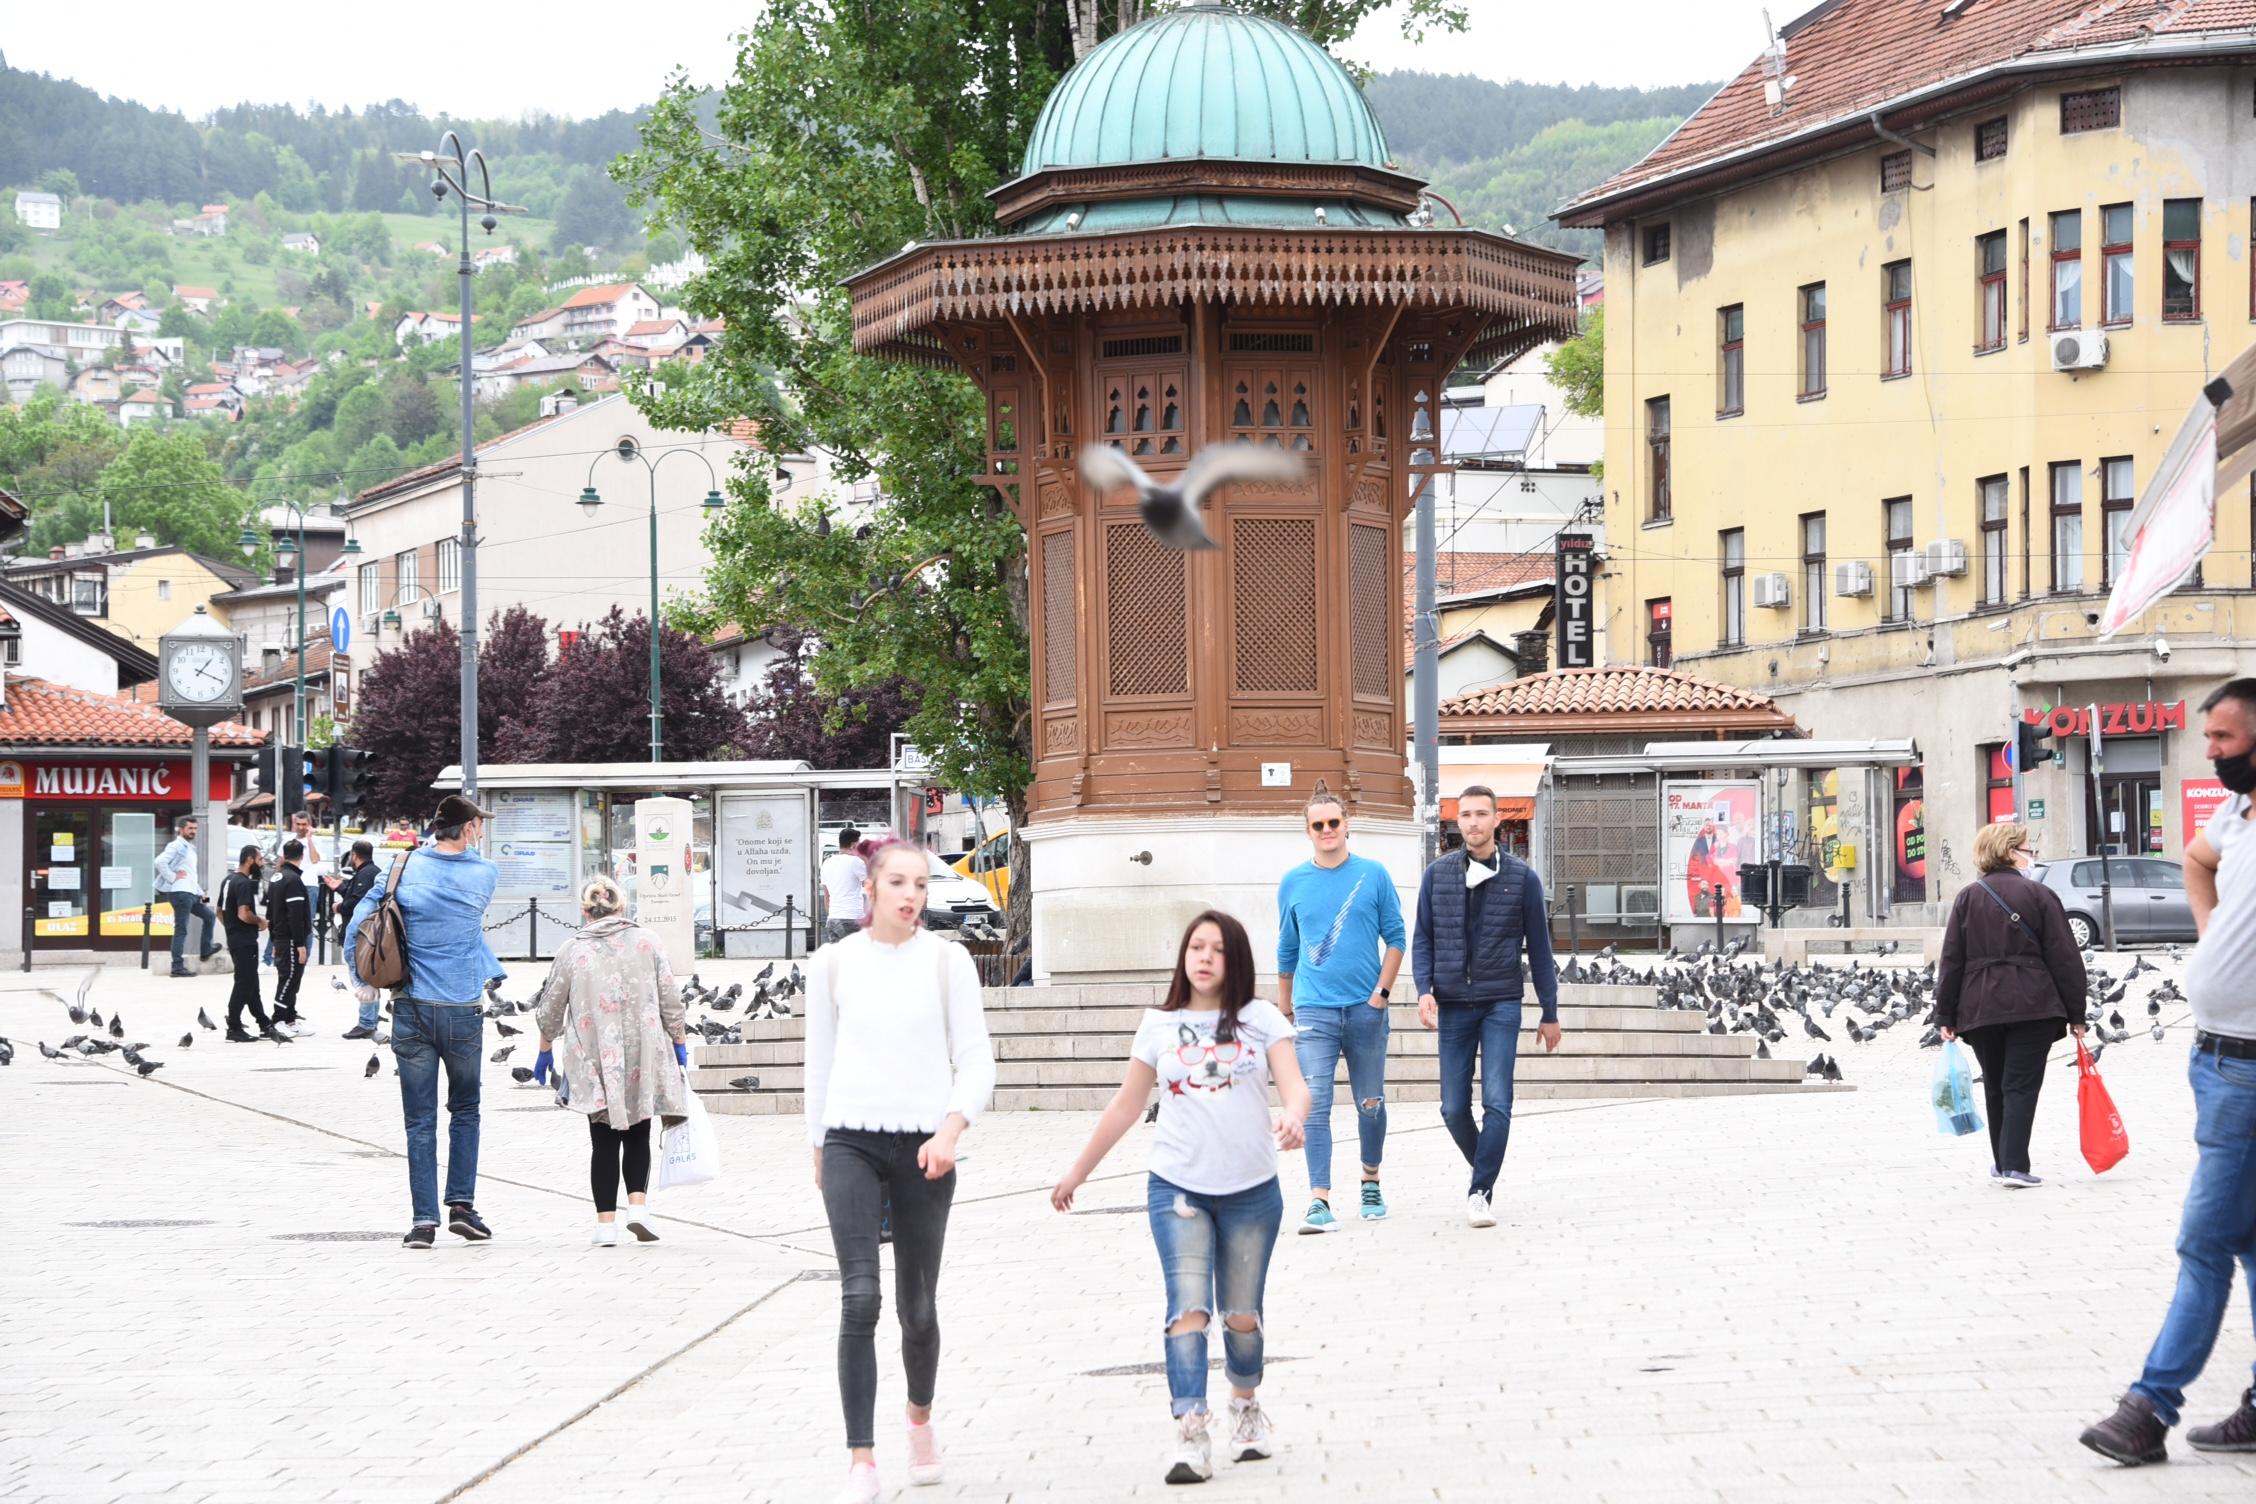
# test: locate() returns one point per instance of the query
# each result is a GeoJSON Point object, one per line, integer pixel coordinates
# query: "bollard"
{"type": "Point", "coordinates": [1715, 907]}
{"type": "Point", "coordinates": [146, 905]}
{"type": "Point", "coordinates": [30, 910]}
{"type": "Point", "coordinates": [790, 925]}
{"type": "Point", "coordinates": [1574, 926]}
{"type": "Point", "coordinates": [532, 929]}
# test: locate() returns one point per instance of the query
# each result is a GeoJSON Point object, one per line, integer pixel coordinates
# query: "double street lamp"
{"type": "Point", "coordinates": [293, 550]}
{"type": "Point", "coordinates": [628, 450]}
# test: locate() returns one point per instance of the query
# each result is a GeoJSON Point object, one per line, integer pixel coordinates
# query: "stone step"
{"type": "Point", "coordinates": [1149, 995]}
{"type": "Point", "coordinates": [1103, 1019]}
{"type": "Point", "coordinates": [1114, 1046]}
{"type": "Point", "coordinates": [1427, 1068]}
{"type": "Point", "coordinates": [1095, 1098]}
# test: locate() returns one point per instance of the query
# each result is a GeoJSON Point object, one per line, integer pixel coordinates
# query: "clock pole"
{"type": "Point", "coordinates": [199, 795]}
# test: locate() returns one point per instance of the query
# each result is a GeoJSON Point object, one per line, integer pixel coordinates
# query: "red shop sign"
{"type": "Point", "coordinates": [2122, 718]}
{"type": "Point", "coordinates": [122, 782]}
{"type": "Point", "coordinates": [2199, 799]}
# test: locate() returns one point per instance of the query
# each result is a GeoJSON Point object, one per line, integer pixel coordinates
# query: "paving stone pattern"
{"type": "Point", "coordinates": [1738, 1298]}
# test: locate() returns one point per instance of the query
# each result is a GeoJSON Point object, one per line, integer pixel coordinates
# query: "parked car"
{"type": "Point", "coordinates": [988, 864]}
{"type": "Point", "coordinates": [953, 898]}
{"type": "Point", "coordinates": [2149, 893]}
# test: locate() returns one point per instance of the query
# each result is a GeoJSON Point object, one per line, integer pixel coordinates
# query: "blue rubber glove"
{"type": "Point", "coordinates": [681, 1054]}
{"type": "Point", "coordinates": [543, 1065]}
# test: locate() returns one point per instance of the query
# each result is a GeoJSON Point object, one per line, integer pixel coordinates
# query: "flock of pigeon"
{"type": "Point", "coordinates": [771, 997]}
{"type": "Point", "coordinates": [1860, 1001]}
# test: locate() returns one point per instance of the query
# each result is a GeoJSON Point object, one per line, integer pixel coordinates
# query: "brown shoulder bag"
{"type": "Point", "coordinates": [380, 949]}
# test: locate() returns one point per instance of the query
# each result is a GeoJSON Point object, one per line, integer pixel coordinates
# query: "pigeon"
{"type": "Point", "coordinates": [1832, 1069]}
{"type": "Point", "coordinates": [507, 1032]}
{"type": "Point", "coordinates": [724, 1002]}
{"type": "Point", "coordinates": [339, 984]}
{"type": "Point", "coordinates": [1810, 1027]}
{"type": "Point", "coordinates": [1153, 1115]}
{"type": "Point", "coordinates": [117, 1026]}
{"type": "Point", "coordinates": [203, 1020]}
{"type": "Point", "coordinates": [7, 1053]}
{"type": "Point", "coordinates": [520, 1074]}
{"type": "Point", "coordinates": [759, 976]}
{"type": "Point", "coordinates": [375, 1064]}
{"type": "Point", "coordinates": [93, 1017]}
{"type": "Point", "coordinates": [498, 1056]}
{"type": "Point", "coordinates": [1172, 512]}
{"type": "Point", "coordinates": [148, 1068]}
{"type": "Point", "coordinates": [77, 1013]}
{"type": "Point", "coordinates": [2154, 1007]}
{"type": "Point", "coordinates": [49, 1050]}
{"type": "Point", "coordinates": [745, 1083]}
{"type": "Point", "coordinates": [2157, 1033]}
{"type": "Point", "coordinates": [187, 1039]}
{"type": "Point", "coordinates": [1762, 1051]}
{"type": "Point", "coordinates": [493, 988]}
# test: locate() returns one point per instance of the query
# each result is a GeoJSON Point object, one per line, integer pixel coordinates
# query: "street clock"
{"type": "Point", "coordinates": [200, 672]}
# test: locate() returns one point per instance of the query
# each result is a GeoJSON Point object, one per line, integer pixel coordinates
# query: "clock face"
{"type": "Point", "coordinates": [201, 673]}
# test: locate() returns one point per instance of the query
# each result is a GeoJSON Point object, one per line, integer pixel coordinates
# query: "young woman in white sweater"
{"type": "Point", "coordinates": [898, 1066]}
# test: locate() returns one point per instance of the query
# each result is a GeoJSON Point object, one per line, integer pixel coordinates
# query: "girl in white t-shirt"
{"type": "Point", "coordinates": [1213, 1048]}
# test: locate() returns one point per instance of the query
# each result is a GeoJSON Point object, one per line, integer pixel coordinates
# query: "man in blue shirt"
{"type": "Point", "coordinates": [1336, 914]}
{"type": "Point", "coordinates": [1479, 909]}
{"type": "Point", "coordinates": [177, 885]}
{"type": "Point", "coordinates": [438, 1017]}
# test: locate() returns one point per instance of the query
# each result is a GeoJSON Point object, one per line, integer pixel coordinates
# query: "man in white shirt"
{"type": "Point", "coordinates": [843, 874]}
{"type": "Point", "coordinates": [176, 885]}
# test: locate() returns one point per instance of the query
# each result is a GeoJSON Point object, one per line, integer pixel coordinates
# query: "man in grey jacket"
{"type": "Point", "coordinates": [1480, 910]}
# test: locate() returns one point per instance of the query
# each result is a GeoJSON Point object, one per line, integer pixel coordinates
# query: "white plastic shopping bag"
{"type": "Point", "coordinates": [689, 1154]}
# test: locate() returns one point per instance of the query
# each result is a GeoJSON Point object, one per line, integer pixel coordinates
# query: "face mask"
{"type": "Point", "coordinates": [2237, 773]}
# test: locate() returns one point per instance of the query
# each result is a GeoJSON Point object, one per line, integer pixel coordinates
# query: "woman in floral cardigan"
{"type": "Point", "coordinates": [611, 1001]}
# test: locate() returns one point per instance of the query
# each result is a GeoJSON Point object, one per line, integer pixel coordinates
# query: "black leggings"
{"type": "Point", "coordinates": [858, 1168]}
{"type": "Point", "coordinates": [2012, 1057]}
{"type": "Point", "coordinates": [607, 1148]}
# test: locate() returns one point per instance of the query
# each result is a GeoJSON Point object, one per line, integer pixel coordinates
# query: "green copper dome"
{"type": "Point", "coordinates": [1205, 81]}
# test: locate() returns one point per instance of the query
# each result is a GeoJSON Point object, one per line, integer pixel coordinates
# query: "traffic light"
{"type": "Point", "coordinates": [2031, 743]}
{"type": "Point", "coordinates": [352, 772]}
{"type": "Point", "coordinates": [311, 764]}
{"type": "Point", "coordinates": [263, 775]}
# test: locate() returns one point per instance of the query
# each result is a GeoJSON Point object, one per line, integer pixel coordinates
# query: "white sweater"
{"type": "Point", "coordinates": [879, 1032]}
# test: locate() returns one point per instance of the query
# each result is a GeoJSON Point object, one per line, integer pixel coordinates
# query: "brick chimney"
{"type": "Point", "coordinates": [1533, 650]}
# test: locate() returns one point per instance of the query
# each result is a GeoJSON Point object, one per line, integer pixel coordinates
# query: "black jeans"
{"type": "Point", "coordinates": [611, 1149]}
{"type": "Point", "coordinates": [243, 950]}
{"type": "Point", "coordinates": [289, 972]}
{"type": "Point", "coordinates": [858, 1169]}
{"type": "Point", "coordinates": [2012, 1057]}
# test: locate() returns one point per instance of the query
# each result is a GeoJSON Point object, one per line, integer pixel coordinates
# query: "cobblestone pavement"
{"type": "Point", "coordinates": [1730, 1298]}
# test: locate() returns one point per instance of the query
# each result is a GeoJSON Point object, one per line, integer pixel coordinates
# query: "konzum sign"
{"type": "Point", "coordinates": [2123, 718]}
{"type": "Point", "coordinates": [1571, 587]}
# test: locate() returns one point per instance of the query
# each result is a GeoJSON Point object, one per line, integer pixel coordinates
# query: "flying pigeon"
{"type": "Point", "coordinates": [1172, 512]}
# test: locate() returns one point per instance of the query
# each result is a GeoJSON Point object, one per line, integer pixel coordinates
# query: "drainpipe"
{"type": "Point", "coordinates": [1890, 136]}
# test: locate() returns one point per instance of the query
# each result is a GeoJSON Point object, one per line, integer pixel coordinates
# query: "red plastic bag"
{"type": "Point", "coordinates": [2105, 1142]}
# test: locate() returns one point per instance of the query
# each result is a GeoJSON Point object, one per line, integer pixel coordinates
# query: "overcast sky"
{"type": "Point", "coordinates": [502, 61]}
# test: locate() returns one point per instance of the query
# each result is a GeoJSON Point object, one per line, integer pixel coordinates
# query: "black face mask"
{"type": "Point", "coordinates": [2237, 773]}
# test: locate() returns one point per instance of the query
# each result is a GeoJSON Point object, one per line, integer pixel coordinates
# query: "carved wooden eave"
{"type": "Point", "coordinates": [1524, 292]}
{"type": "Point", "coordinates": [1354, 181]}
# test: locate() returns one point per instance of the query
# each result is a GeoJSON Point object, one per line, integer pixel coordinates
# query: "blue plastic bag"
{"type": "Point", "coordinates": [1952, 1091]}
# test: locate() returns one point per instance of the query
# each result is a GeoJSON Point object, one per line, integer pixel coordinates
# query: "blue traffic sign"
{"type": "Point", "coordinates": [340, 630]}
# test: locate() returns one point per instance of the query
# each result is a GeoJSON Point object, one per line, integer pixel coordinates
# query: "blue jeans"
{"type": "Point", "coordinates": [369, 1013]}
{"type": "Point", "coordinates": [1359, 1032]}
{"type": "Point", "coordinates": [2218, 1228]}
{"type": "Point", "coordinates": [183, 905]}
{"type": "Point", "coordinates": [1189, 1227]}
{"type": "Point", "coordinates": [1492, 1032]}
{"type": "Point", "coordinates": [424, 1037]}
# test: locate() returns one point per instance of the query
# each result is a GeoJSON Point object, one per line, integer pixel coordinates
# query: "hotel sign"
{"type": "Point", "coordinates": [1572, 605]}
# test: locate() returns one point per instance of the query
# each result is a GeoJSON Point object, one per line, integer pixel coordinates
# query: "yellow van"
{"type": "Point", "coordinates": [989, 865]}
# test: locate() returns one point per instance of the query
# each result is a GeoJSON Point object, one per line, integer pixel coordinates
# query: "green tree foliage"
{"type": "Point", "coordinates": [52, 455]}
{"type": "Point", "coordinates": [593, 212]}
{"type": "Point", "coordinates": [1521, 187]}
{"type": "Point", "coordinates": [359, 414]}
{"type": "Point", "coordinates": [165, 484]}
{"type": "Point", "coordinates": [1578, 367]}
{"type": "Point", "coordinates": [60, 181]}
{"type": "Point", "coordinates": [845, 131]}
{"type": "Point", "coordinates": [1436, 120]}
{"type": "Point", "coordinates": [411, 409]}
{"type": "Point", "coordinates": [373, 463]}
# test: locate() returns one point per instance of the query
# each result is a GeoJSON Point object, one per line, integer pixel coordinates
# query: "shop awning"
{"type": "Point", "coordinates": [1722, 757]}
{"type": "Point", "coordinates": [1514, 784]}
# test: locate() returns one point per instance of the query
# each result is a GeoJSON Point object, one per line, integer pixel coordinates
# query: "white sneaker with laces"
{"type": "Point", "coordinates": [637, 1220]}
{"type": "Point", "coordinates": [924, 1454]}
{"type": "Point", "coordinates": [1192, 1460]}
{"type": "Point", "coordinates": [1478, 1211]}
{"type": "Point", "coordinates": [298, 1028]}
{"type": "Point", "coordinates": [606, 1235]}
{"type": "Point", "coordinates": [1251, 1435]}
{"type": "Point", "coordinates": [861, 1484]}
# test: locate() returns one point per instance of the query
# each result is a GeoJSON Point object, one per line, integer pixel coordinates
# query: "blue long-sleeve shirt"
{"type": "Point", "coordinates": [1332, 925]}
{"type": "Point", "coordinates": [443, 897]}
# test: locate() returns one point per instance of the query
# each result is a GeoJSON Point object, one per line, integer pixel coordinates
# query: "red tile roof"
{"type": "Point", "coordinates": [1467, 572]}
{"type": "Point", "coordinates": [596, 297]}
{"type": "Point", "coordinates": [40, 714]}
{"type": "Point", "coordinates": [651, 326]}
{"type": "Point", "coordinates": [1850, 57]}
{"type": "Point", "coordinates": [195, 292]}
{"type": "Point", "coordinates": [1619, 690]}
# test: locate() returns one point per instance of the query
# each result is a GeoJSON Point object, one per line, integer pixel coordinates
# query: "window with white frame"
{"type": "Point", "coordinates": [406, 566]}
{"type": "Point", "coordinates": [450, 564]}
{"type": "Point", "coordinates": [371, 589]}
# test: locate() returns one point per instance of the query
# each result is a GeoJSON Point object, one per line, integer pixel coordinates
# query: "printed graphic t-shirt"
{"type": "Point", "coordinates": [1213, 1133]}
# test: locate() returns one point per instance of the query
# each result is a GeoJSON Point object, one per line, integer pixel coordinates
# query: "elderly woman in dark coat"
{"type": "Point", "coordinates": [2011, 983]}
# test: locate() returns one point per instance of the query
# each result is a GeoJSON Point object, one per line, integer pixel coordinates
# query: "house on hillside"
{"type": "Point", "coordinates": [143, 406]}
{"type": "Point", "coordinates": [210, 220]}
{"type": "Point", "coordinates": [98, 385]}
{"type": "Point", "coordinates": [509, 353]}
{"type": "Point", "coordinates": [304, 242]}
{"type": "Point", "coordinates": [656, 334]}
{"type": "Point", "coordinates": [14, 296]}
{"type": "Point", "coordinates": [429, 328]}
{"type": "Point", "coordinates": [494, 255]}
{"type": "Point", "coordinates": [24, 369]}
{"type": "Point", "coordinates": [208, 397]}
{"type": "Point", "coordinates": [587, 373]}
{"type": "Point", "coordinates": [594, 314]}
{"type": "Point", "coordinates": [196, 299]}
{"type": "Point", "coordinates": [62, 338]}
{"type": "Point", "coordinates": [38, 211]}
{"type": "Point", "coordinates": [546, 326]}
{"type": "Point", "coordinates": [110, 309]}
{"type": "Point", "coordinates": [429, 248]}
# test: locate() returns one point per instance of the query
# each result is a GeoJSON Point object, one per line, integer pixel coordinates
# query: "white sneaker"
{"type": "Point", "coordinates": [606, 1235]}
{"type": "Point", "coordinates": [861, 1484]}
{"type": "Point", "coordinates": [298, 1028]}
{"type": "Point", "coordinates": [1191, 1461]}
{"type": "Point", "coordinates": [1478, 1212]}
{"type": "Point", "coordinates": [637, 1220]}
{"type": "Point", "coordinates": [1251, 1435]}
{"type": "Point", "coordinates": [924, 1454]}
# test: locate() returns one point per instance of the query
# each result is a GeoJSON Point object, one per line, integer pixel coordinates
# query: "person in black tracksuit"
{"type": "Point", "coordinates": [238, 916]}
{"type": "Point", "coordinates": [289, 922]}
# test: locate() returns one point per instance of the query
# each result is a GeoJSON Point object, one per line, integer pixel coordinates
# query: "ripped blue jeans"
{"type": "Point", "coordinates": [1214, 1253]}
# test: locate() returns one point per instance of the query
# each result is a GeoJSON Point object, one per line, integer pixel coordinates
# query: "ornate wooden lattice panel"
{"type": "Point", "coordinates": [1146, 637]}
{"type": "Point", "coordinates": [1143, 410]}
{"type": "Point", "coordinates": [1061, 677]}
{"type": "Point", "coordinates": [1368, 579]}
{"type": "Point", "coordinates": [1273, 405]}
{"type": "Point", "coordinates": [1273, 565]}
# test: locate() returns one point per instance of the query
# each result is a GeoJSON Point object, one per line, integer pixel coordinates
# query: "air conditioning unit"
{"type": "Point", "coordinates": [1771, 590]}
{"type": "Point", "coordinates": [1852, 578]}
{"type": "Point", "coordinates": [1907, 571]}
{"type": "Point", "coordinates": [1946, 556]}
{"type": "Point", "coordinates": [2079, 350]}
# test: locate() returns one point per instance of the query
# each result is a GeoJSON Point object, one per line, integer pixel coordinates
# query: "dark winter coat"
{"type": "Point", "coordinates": [2008, 958]}
{"type": "Point", "coordinates": [1459, 961]}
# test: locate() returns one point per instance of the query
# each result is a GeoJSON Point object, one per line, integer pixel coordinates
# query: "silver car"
{"type": "Point", "coordinates": [2149, 893]}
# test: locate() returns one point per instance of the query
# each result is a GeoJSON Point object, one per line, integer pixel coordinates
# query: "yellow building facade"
{"type": "Point", "coordinates": [1864, 454]}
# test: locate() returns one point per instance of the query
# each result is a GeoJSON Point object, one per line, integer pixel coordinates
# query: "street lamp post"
{"type": "Point", "coordinates": [628, 449]}
{"type": "Point", "coordinates": [295, 551]}
{"type": "Point", "coordinates": [450, 170]}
